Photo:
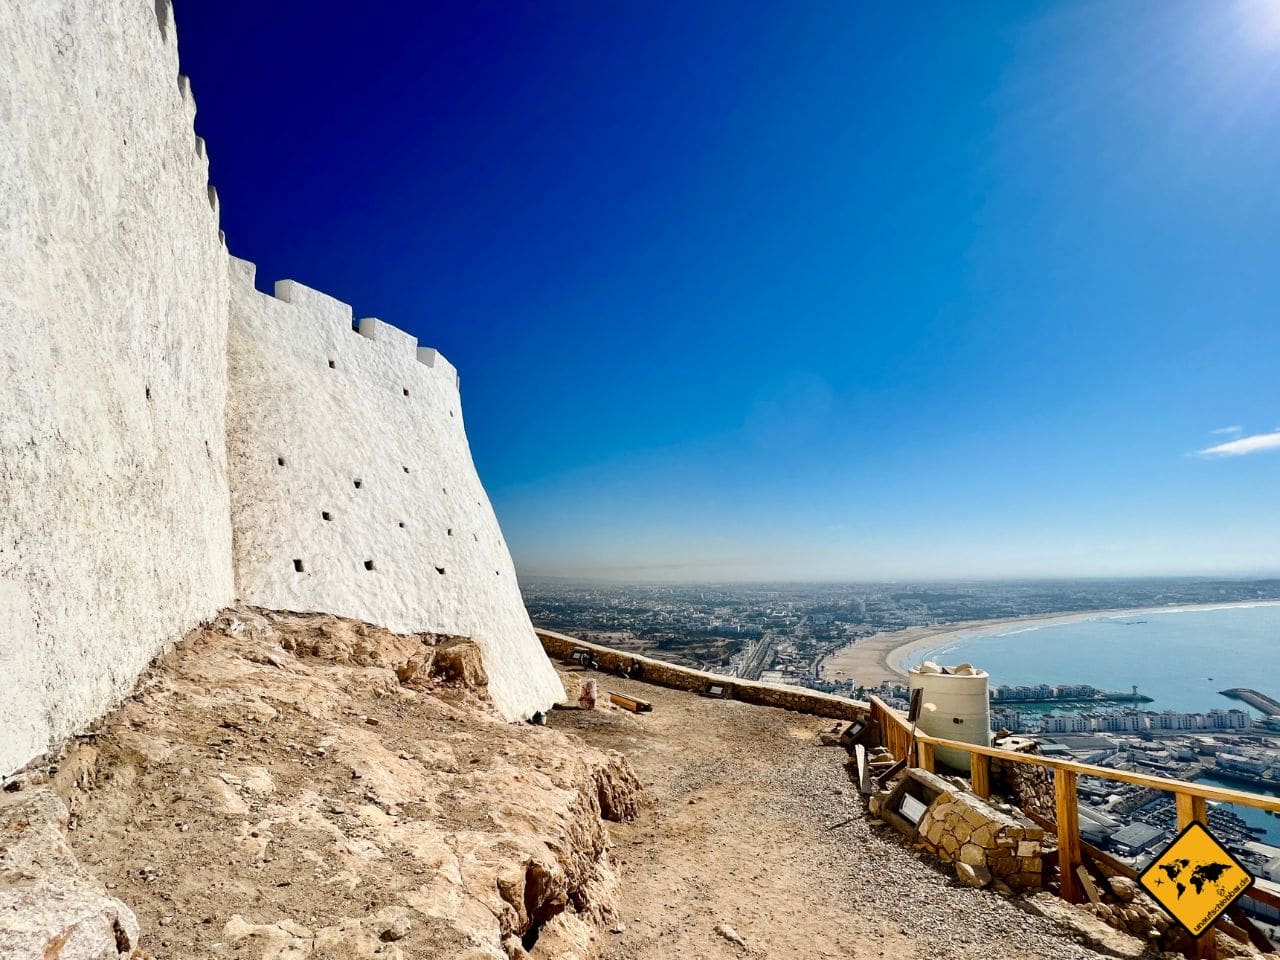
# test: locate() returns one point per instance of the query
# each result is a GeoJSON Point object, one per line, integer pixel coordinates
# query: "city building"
{"type": "Point", "coordinates": [1137, 838]}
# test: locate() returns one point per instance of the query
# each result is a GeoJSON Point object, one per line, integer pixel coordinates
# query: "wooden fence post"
{"type": "Point", "coordinates": [1190, 809]}
{"type": "Point", "coordinates": [1064, 793]}
{"type": "Point", "coordinates": [980, 775]}
{"type": "Point", "coordinates": [925, 752]}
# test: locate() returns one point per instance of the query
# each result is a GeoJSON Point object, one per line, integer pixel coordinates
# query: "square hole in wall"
{"type": "Point", "coordinates": [406, 391]}
{"type": "Point", "coordinates": [333, 364]}
{"type": "Point", "coordinates": [402, 524]}
{"type": "Point", "coordinates": [368, 564]}
{"type": "Point", "coordinates": [406, 469]}
{"type": "Point", "coordinates": [297, 565]}
{"type": "Point", "coordinates": [358, 483]}
{"type": "Point", "coordinates": [449, 531]}
{"type": "Point", "coordinates": [326, 514]}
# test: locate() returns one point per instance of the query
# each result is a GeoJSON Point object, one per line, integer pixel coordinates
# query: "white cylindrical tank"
{"type": "Point", "coordinates": [955, 705]}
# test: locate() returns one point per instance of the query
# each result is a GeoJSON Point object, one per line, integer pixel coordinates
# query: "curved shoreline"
{"type": "Point", "coordinates": [883, 656]}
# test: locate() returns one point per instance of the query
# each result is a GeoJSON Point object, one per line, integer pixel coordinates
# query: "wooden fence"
{"type": "Point", "coordinates": [1189, 798]}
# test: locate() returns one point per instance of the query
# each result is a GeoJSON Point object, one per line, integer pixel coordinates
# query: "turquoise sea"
{"type": "Point", "coordinates": [1179, 657]}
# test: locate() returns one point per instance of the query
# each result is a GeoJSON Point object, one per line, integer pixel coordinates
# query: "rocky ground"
{"type": "Point", "coordinates": [287, 787]}
{"type": "Point", "coordinates": [755, 844]}
{"type": "Point", "coordinates": [300, 787]}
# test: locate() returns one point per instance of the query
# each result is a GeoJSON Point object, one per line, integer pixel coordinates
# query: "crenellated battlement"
{"type": "Point", "coordinates": [352, 485]}
{"type": "Point", "coordinates": [379, 331]}
{"type": "Point", "coordinates": [332, 316]}
{"type": "Point", "coordinates": [228, 443]}
{"type": "Point", "coordinates": [436, 360]}
{"type": "Point", "coordinates": [164, 18]}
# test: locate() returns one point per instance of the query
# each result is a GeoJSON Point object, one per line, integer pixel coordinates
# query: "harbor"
{"type": "Point", "coordinates": [1259, 701]}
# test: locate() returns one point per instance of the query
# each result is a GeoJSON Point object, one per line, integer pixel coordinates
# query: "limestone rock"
{"type": "Point", "coordinates": [973, 855]}
{"type": "Point", "coordinates": [732, 935]}
{"type": "Point", "coordinates": [51, 906]}
{"type": "Point", "coordinates": [306, 756]}
{"type": "Point", "coordinates": [461, 662]}
{"type": "Point", "coordinates": [1124, 888]}
{"type": "Point", "coordinates": [972, 876]}
{"type": "Point", "coordinates": [69, 919]}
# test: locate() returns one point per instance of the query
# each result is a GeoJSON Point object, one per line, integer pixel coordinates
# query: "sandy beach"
{"type": "Point", "coordinates": [882, 656]}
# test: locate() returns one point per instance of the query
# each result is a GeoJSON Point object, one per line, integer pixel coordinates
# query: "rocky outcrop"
{"type": "Point", "coordinates": [297, 785]}
{"type": "Point", "coordinates": [1126, 907]}
{"type": "Point", "coordinates": [50, 907]}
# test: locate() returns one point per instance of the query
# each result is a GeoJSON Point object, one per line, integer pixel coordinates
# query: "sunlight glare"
{"type": "Point", "coordinates": [1260, 20]}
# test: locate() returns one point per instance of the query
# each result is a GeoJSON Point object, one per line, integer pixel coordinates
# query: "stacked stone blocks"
{"type": "Point", "coordinates": [958, 827]}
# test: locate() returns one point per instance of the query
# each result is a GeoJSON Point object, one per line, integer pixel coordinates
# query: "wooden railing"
{"type": "Point", "coordinates": [1189, 798]}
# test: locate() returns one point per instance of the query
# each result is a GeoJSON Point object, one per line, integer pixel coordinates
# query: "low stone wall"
{"type": "Point", "coordinates": [1028, 787]}
{"type": "Point", "coordinates": [663, 674]}
{"type": "Point", "coordinates": [984, 844]}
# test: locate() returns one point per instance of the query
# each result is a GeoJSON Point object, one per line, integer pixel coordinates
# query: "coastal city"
{"type": "Point", "coordinates": [786, 633]}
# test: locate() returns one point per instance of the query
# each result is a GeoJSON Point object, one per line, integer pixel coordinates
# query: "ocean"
{"type": "Point", "coordinates": [1180, 658]}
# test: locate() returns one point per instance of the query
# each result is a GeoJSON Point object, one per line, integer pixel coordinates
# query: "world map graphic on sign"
{"type": "Point", "coordinates": [1195, 879]}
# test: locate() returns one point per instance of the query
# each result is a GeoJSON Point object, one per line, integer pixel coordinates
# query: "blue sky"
{"type": "Point", "coordinates": [792, 291]}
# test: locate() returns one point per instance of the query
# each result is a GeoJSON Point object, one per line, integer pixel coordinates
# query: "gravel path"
{"type": "Point", "coordinates": [755, 844]}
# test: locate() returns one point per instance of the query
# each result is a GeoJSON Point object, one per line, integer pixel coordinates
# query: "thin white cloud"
{"type": "Point", "coordinates": [1238, 448]}
{"type": "Point", "coordinates": [1227, 431]}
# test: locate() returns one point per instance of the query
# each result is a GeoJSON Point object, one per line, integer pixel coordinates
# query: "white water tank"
{"type": "Point", "coordinates": [955, 705]}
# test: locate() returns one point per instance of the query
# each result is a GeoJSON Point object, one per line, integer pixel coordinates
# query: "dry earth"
{"type": "Point", "coordinates": [754, 833]}
{"type": "Point", "coordinates": [301, 787]}
{"type": "Point", "coordinates": [289, 787]}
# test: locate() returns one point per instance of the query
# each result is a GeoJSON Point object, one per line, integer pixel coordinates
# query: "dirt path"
{"type": "Point", "coordinates": [753, 824]}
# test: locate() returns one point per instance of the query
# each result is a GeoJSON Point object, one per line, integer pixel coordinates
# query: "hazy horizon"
{"type": "Point", "coordinates": [753, 293]}
{"type": "Point", "coordinates": [579, 580]}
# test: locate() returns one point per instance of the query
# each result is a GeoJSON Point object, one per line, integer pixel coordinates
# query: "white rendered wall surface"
{"type": "Point", "coordinates": [115, 531]}
{"type": "Point", "coordinates": [353, 491]}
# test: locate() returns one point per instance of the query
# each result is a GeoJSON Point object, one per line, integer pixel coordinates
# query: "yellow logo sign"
{"type": "Point", "coordinates": [1195, 879]}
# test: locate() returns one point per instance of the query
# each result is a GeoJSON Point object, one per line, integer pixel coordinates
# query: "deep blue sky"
{"type": "Point", "coordinates": [762, 290]}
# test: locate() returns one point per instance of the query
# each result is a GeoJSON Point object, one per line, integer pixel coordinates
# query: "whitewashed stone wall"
{"type": "Point", "coordinates": [353, 490]}
{"type": "Point", "coordinates": [115, 534]}
{"type": "Point", "coordinates": [115, 502]}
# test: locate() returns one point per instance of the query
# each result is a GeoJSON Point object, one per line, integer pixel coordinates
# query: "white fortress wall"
{"type": "Point", "coordinates": [115, 534]}
{"type": "Point", "coordinates": [353, 490]}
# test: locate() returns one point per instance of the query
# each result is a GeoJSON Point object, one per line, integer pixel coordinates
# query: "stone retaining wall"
{"type": "Point", "coordinates": [664, 674]}
{"type": "Point", "coordinates": [1026, 786]}
{"type": "Point", "coordinates": [958, 827]}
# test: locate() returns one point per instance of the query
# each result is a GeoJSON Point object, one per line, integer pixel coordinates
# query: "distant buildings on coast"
{"type": "Point", "coordinates": [1139, 721]}
{"type": "Point", "coordinates": [1062, 693]}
